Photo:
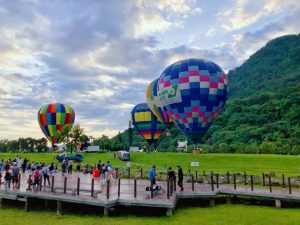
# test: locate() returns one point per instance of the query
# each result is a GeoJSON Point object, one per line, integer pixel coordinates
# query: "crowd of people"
{"type": "Point", "coordinates": [10, 170]}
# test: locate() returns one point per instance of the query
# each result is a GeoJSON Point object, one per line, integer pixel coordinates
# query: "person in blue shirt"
{"type": "Point", "coordinates": [152, 175]}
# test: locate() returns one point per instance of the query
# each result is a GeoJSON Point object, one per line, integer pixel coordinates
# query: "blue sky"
{"type": "Point", "coordinates": [98, 56]}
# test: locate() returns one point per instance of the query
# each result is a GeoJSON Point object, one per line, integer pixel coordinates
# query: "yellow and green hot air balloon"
{"type": "Point", "coordinates": [146, 123]}
{"type": "Point", "coordinates": [155, 106]}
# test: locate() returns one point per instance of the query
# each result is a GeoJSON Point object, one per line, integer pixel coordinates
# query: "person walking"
{"type": "Point", "coordinates": [102, 175]}
{"type": "Point", "coordinates": [45, 174]}
{"type": "Point", "coordinates": [152, 175]}
{"type": "Point", "coordinates": [70, 166]}
{"type": "Point", "coordinates": [63, 167]}
{"type": "Point", "coordinates": [15, 175]}
{"type": "Point", "coordinates": [180, 178]}
{"type": "Point", "coordinates": [171, 177]}
{"type": "Point", "coordinates": [7, 176]}
{"type": "Point", "coordinates": [51, 169]}
{"type": "Point", "coordinates": [24, 165]}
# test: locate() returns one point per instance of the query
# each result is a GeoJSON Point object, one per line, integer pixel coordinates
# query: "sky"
{"type": "Point", "coordinates": [99, 56]}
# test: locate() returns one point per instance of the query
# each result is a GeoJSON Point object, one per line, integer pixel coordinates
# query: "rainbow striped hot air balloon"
{"type": "Point", "coordinates": [53, 118]}
{"type": "Point", "coordinates": [155, 105]}
{"type": "Point", "coordinates": [146, 123]}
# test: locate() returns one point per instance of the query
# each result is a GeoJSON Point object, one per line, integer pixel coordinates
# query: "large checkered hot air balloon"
{"type": "Point", "coordinates": [146, 123]}
{"type": "Point", "coordinates": [155, 105]}
{"type": "Point", "coordinates": [193, 91]}
{"type": "Point", "coordinates": [53, 118]}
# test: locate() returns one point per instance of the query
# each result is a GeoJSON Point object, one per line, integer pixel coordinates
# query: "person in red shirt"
{"type": "Point", "coordinates": [96, 172]}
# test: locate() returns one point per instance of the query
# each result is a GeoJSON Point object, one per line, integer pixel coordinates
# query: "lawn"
{"type": "Point", "coordinates": [218, 215]}
{"type": "Point", "coordinates": [254, 164]}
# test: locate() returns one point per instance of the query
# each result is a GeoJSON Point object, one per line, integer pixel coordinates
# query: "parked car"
{"type": "Point", "coordinates": [74, 157]}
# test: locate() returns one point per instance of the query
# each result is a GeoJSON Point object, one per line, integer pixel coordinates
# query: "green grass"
{"type": "Point", "coordinates": [254, 164]}
{"type": "Point", "coordinates": [219, 215]}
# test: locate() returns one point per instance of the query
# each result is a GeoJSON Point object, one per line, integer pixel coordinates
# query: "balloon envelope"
{"type": "Point", "coordinates": [193, 91]}
{"type": "Point", "coordinates": [155, 105]}
{"type": "Point", "coordinates": [53, 118]}
{"type": "Point", "coordinates": [146, 123]}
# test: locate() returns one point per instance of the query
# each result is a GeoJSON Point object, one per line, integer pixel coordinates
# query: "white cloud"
{"type": "Point", "coordinates": [159, 16]}
{"type": "Point", "coordinates": [246, 12]}
{"type": "Point", "coordinates": [211, 32]}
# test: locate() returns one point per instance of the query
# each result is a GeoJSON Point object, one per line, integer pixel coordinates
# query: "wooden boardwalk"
{"type": "Point", "coordinates": [80, 188]}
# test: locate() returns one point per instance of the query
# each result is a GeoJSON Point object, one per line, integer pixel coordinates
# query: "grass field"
{"type": "Point", "coordinates": [219, 215]}
{"type": "Point", "coordinates": [221, 163]}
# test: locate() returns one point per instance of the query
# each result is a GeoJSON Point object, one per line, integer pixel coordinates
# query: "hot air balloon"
{"type": "Point", "coordinates": [193, 92]}
{"type": "Point", "coordinates": [53, 118]}
{"type": "Point", "coordinates": [146, 123]}
{"type": "Point", "coordinates": [155, 105]}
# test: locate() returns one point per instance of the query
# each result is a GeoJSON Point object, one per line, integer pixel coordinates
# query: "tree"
{"type": "Point", "coordinates": [72, 136]}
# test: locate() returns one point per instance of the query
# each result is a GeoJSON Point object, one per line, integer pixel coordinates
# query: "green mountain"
{"type": "Point", "coordinates": [263, 110]}
{"type": "Point", "coordinates": [262, 113]}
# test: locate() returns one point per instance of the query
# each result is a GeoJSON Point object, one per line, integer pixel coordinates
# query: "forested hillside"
{"type": "Point", "coordinates": [262, 113]}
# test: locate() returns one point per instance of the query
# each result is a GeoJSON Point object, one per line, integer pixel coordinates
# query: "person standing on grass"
{"type": "Point", "coordinates": [152, 175]}
{"type": "Point", "coordinates": [180, 178]}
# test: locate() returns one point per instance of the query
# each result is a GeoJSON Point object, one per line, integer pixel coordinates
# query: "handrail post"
{"type": "Point", "coordinates": [107, 189]}
{"type": "Point", "coordinates": [263, 179]}
{"type": "Point", "coordinates": [40, 183]}
{"type": "Point", "coordinates": [78, 185]}
{"type": "Point", "coordinates": [251, 177]}
{"type": "Point", "coordinates": [29, 183]}
{"type": "Point", "coordinates": [119, 187]}
{"type": "Point", "coordinates": [151, 188]}
{"type": "Point", "coordinates": [283, 181]}
{"type": "Point", "coordinates": [129, 173]}
{"type": "Point", "coordinates": [234, 181]}
{"type": "Point", "coordinates": [52, 184]}
{"type": "Point", "coordinates": [245, 178]}
{"type": "Point", "coordinates": [217, 180]}
{"type": "Point", "coordinates": [134, 188]}
{"type": "Point", "coordinates": [92, 187]}
{"type": "Point", "coordinates": [65, 185]}
{"type": "Point", "coordinates": [212, 181]}
{"type": "Point", "coordinates": [228, 178]}
{"type": "Point", "coordinates": [174, 180]}
{"type": "Point", "coordinates": [270, 183]}
{"type": "Point", "coordinates": [19, 183]}
{"type": "Point", "coordinates": [290, 186]}
{"type": "Point", "coordinates": [193, 183]}
{"type": "Point", "coordinates": [141, 173]}
{"type": "Point", "coordinates": [168, 189]}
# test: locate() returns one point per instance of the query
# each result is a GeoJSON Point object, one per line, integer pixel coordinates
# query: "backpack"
{"type": "Point", "coordinates": [36, 174]}
{"type": "Point", "coordinates": [15, 171]}
{"type": "Point", "coordinates": [7, 176]}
